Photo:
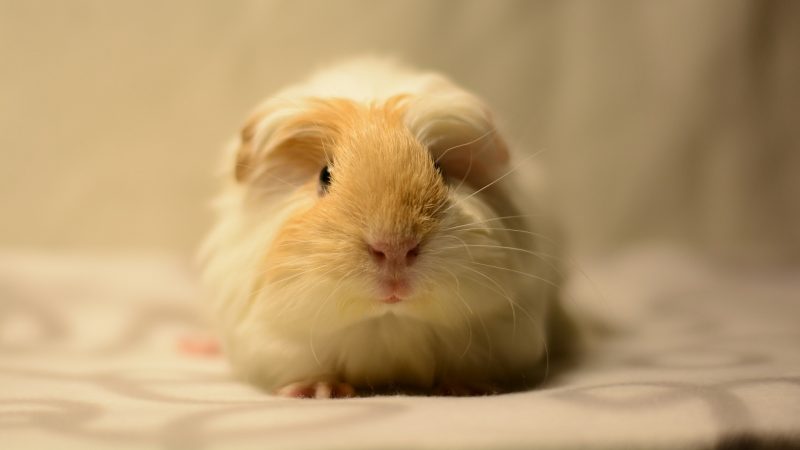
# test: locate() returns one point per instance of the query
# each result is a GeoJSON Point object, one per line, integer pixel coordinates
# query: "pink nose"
{"type": "Point", "coordinates": [394, 253]}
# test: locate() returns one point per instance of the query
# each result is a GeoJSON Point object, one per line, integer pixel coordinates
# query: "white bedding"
{"type": "Point", "coordinates": [88, 359]}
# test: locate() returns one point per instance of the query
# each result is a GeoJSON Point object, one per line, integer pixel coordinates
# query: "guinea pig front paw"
{"type": "Point", "coordinates": [199, 345]}
{"type": "Point", "coordinates": [317, 389]}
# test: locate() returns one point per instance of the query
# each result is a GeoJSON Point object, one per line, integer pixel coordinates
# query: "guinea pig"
{"type": "Point", "coordinates": [375, 233]}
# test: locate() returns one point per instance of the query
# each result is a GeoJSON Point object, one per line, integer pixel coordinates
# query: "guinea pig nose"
{"type": "Point", "coordinates": [396, 253]}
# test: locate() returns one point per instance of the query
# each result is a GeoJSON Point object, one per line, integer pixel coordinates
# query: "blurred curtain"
{"type": "Point", "coordinates": [657, 120]}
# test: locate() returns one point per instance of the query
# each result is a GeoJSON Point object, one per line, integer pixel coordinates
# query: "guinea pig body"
{"type": "Point", "coordinates": [373, 234]}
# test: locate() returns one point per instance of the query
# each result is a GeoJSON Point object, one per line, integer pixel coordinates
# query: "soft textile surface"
{"type": "Point", "coordinates": [88, 359]}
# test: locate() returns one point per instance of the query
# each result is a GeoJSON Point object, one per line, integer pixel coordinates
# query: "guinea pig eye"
{"type": "Point", "coordinates": [324, 180]}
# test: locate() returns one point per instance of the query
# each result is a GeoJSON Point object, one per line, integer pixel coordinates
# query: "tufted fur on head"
{"type": "Point", "coordinates": [408, 158]}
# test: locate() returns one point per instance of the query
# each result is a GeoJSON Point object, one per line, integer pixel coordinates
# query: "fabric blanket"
{"type": "Point", "coordinates": [685, 354]}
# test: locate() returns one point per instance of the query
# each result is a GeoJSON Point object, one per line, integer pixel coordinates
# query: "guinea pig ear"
{"type": "Point", "coordinates": [460, 133]}
{"type": "Point", "coordinates": [245, 148]}
{"type": "Point", "coordinates": [278, 139]}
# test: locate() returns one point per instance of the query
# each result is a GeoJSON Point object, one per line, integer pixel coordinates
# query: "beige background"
{"type": "Point", "coordinates": [659, 120]}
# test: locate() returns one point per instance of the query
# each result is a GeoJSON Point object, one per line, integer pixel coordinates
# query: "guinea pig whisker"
{"type": "Point", "coordinates": [542, 256]}
{"type": "Point", "coordinates": [562, 259]}
{"type": "Point", "coordinates": [466, 318]}
{"type": "Point", "coordinates": [325, 141]}
{"type": "Point", "coordinates": [466, 305]}
{"type": "Point", "coordinates": [555, 268]}
{"type": "Point", "coordinates": [566, 260]}
{"type": "Point", "coordinates": [492, 219]}
{"type": "Point", "coordinates": [543, 338]}
{"type": "Point", "coordinates": [297, 292]}
{"type": "Point", "coordinates": [463, 178]}
{"type": "Point", "coordinates": [440, 250]}
{"type": "Point", "coordinates": [293, 264]}
{"type": "Point", "coordinates": [519, 272]}
{"type": "Point", "coordinates": [538, 326]}
{"type": "Point", "coordinates": [530, 275]}
{"type": "Point", "coordinates": [269, 174]}
{"type": "Point", "coordinates": [477, 139]}
{"type": "Point", "coordinates": [511, 303]}
{"type": "Point", "coordinates": [319, 310]}
{"type": "Point", "coordinates": [512, 230]}
{"type": "Point", "coordinates": [298, 272]}
{"type": "Point", "coordinates": [492, 183]}
{"type": "Point", "coordinates": [463, 243]}
{"type": "Point", "coordinates": [273, 286]}
{"type": "Point", "coordinates": [272, 176]}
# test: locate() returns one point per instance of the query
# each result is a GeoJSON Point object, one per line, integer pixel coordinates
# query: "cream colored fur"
{"type": "Point", "coordinates": [290, 282]}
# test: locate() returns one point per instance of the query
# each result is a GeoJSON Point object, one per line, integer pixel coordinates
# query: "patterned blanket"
{"type": "Point", "coordinates": [684, 354]}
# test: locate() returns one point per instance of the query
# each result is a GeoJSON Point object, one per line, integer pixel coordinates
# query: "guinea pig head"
{"type": "Point", "coordinates": [371, 207]}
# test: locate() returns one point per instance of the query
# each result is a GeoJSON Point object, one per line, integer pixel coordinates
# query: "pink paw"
{"type": "Point", "coordinates": [317, 389]}
{"type": "Point", "coordinates": [199, 345]}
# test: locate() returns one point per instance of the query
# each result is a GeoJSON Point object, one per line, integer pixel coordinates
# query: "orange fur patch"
{"type": "Point", "coordinates": [384, 184]}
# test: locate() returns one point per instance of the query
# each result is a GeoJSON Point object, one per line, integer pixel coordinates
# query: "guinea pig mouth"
{"type": "Point", "coordinates": [394, 290]}
{"type": "Point", "coordinates": [392, 299]}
